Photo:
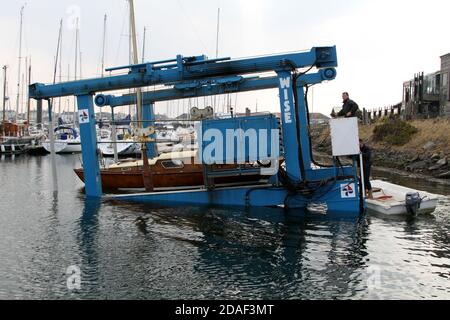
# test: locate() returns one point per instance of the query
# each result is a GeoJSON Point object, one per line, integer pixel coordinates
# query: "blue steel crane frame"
{"type": "Point", "coordinates": [198, 76]}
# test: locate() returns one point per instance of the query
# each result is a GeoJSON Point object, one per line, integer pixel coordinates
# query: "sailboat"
{"type": "Point", "coordinates": [11, 142]}
{"type": "Point", "coordinates": [66, 136]}
{"type": "Point", "coordinates": [169, 170]}
{"type": "Point", "coordinates": [67, 140]}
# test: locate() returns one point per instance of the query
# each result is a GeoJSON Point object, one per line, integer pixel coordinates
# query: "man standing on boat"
{"type": "Point", "coordinates": [350, 107]}
{"type": "Point", "coordinates": [367, 167]}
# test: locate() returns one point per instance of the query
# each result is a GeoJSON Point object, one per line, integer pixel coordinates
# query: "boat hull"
{"type": "Point", "coordinates": [390, 200]}
{"type": "Point", "coordinates": [10, 149]}
{"type": "Point", "coordinates": [190, 175]}
{"type": "Point", "coordinates": [425, 208]}
{"type": "Point", "coordinates": [123, 149]}
{"type": "Point", "coordinates": [37, 151]}
{"type": "Point", "coordinates": [63, 147]}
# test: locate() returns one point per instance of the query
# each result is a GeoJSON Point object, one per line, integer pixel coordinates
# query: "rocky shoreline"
{"type": "Point", "coordinates": [433, 165]}
{"type": "Point", "coordinates": [424, 155]}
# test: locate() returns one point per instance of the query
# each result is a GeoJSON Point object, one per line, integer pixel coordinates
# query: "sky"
{"type": "Point", "coordinates": [380, 44]}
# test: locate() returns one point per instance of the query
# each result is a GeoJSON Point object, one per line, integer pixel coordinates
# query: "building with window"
{"type": "Point", "coordinates": [427, 96]}
{"type": "Point", "coordinates": [445, 85]}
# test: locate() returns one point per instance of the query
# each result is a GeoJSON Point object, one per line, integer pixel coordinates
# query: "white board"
{"type": "Point", "coordinates": [345, 137]}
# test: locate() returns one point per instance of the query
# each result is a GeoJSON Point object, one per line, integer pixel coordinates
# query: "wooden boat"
{"type": "Point", "coordinates": [391, 199]}
{"type": "Point", "coordinates": [169, 170]}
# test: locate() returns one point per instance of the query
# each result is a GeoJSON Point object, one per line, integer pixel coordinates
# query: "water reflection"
{"type": "Point", "coordinates": [260, 253]}
{"type": "Point", "coordinates": [136, 251]}
{"type": "Point", "coordinates": [88, 242]}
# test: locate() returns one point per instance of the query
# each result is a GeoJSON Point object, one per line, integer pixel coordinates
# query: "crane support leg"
{"type": "Point", "coordinates": [291, 145]}
{"type": "Point", "coordinates": [86, 117]}
{"type": "Point", "coordinates": [303, 129]}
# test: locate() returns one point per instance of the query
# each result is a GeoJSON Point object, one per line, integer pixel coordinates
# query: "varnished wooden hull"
{"type": "Point", "coordinates": [132, 178]}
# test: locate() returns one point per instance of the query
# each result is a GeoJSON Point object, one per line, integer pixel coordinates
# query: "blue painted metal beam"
{"type": "Point", "coordinates": [211, 87]}
{"type": "Point", "coordinates": [92, 179]}
{"type": "Point", "coordinates": [147, 74]}
{"type": "Point", "coordinates": [191, 89]}
{"type": "Point", "coordinates": [291, 147]}
{"type": "Point", "coordinates": [303, 129]}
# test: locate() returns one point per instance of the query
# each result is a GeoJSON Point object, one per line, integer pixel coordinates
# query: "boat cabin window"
{"type": "Point", "coordinates": [172, 164]}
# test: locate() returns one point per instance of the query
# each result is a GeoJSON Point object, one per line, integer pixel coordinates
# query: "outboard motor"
{"type": "Point", "coordinates": [412, 203]}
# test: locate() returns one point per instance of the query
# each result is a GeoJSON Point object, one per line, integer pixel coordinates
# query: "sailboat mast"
{"type": "Point", "coordinates": [5, 68]}
{"type": "Point", "coordinates": [135, 60]}
{"type": "Point", "coordinates": [29, 99]}
{"type": "Point", "coordinates": [103, 57]}
{"type": "Point", "coordinates": [76, 72]}
{"type": "Point", "coordinates": [20, 62]}
{"type": "Point", "coordinates": [60, 70]}
{"type": "Point", "coordinates": [55, 70]}
{"type": "Point", "coordinates": [23, 91]}
{"type": "Point", "coordinates": [67, 107]}
{"type": "Point", "coordinates": [218, 31]}
{"type": "Point", "coordinates": [81, 65]}
{"type": "Point", "coordinates": [143, 45]}
{"type": "Point", "coordinates": [130, 47]}
{"type": "Point", "coordinates": [104, 45]}
{"type": "Point", "coordinates": [76, 52]}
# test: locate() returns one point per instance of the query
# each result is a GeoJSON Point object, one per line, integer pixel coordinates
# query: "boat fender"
{"type": "Point", "coordinates": [413, 202]}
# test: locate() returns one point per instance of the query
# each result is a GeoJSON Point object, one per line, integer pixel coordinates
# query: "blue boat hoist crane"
{"type": "Point", "coordinates": [296, 180]}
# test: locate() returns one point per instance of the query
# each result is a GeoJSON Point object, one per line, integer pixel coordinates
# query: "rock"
{"type": "Point", "coordinates": [442, 162]}
{"type": "Point", "coordinates": [435, 157]}
{"type": "Point", "coordinates": [416, 158]}
{"type": "Point", "coordinates": [429, 145]}
{"type": "Point", "coordinates": [417, 165]}
{"type": "Point", "coordinates": [436, 167]}
{"type": "Point", "coordinates": [445, 175]}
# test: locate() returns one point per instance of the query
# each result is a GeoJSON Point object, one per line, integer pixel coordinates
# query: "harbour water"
{"type": "Point", "coordinates": [207, 253]}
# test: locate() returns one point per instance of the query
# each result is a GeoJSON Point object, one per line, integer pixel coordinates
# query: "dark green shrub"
{"type": "Point", "coordinates": [394, 131]}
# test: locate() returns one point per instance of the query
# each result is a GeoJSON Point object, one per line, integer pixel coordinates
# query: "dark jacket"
{"type": "Point", "coordinates": [367, 156]}
{"type": "Point", "coordinates": [349, 106]}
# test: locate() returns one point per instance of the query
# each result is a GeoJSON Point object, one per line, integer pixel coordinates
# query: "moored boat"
{"type": "Point", "coordinates": [169, 170]}
{"type": "Point", "coordinates": [391, 199]}
{"type": "Point", "coordinates": [125, 145]}
{"type": "Point", "coordinates": [12, 146]}
{"type": "Point", "coordinates": [67, 140]}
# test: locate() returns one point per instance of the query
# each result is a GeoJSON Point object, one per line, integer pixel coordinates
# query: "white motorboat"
{"type": "Point", "coordinates": [391, 199]}
{"type": "Point", "coordinates": [67, 140]}
{"type": "Point", "coordinates": [126, 146]}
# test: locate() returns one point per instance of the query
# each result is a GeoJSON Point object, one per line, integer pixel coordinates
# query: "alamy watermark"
{"type": "Point", "coordinates": [73, 278]}
{"type": "Point", "coordinates": [260, 147]}
{"type": "Point", "coordinates": [373, 281]}
{"type": "Point", "coordinates": [73, 20]}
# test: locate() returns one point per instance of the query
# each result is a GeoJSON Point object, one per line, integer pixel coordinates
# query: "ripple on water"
{"type": "Point", "coordinates": [206, 253]}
